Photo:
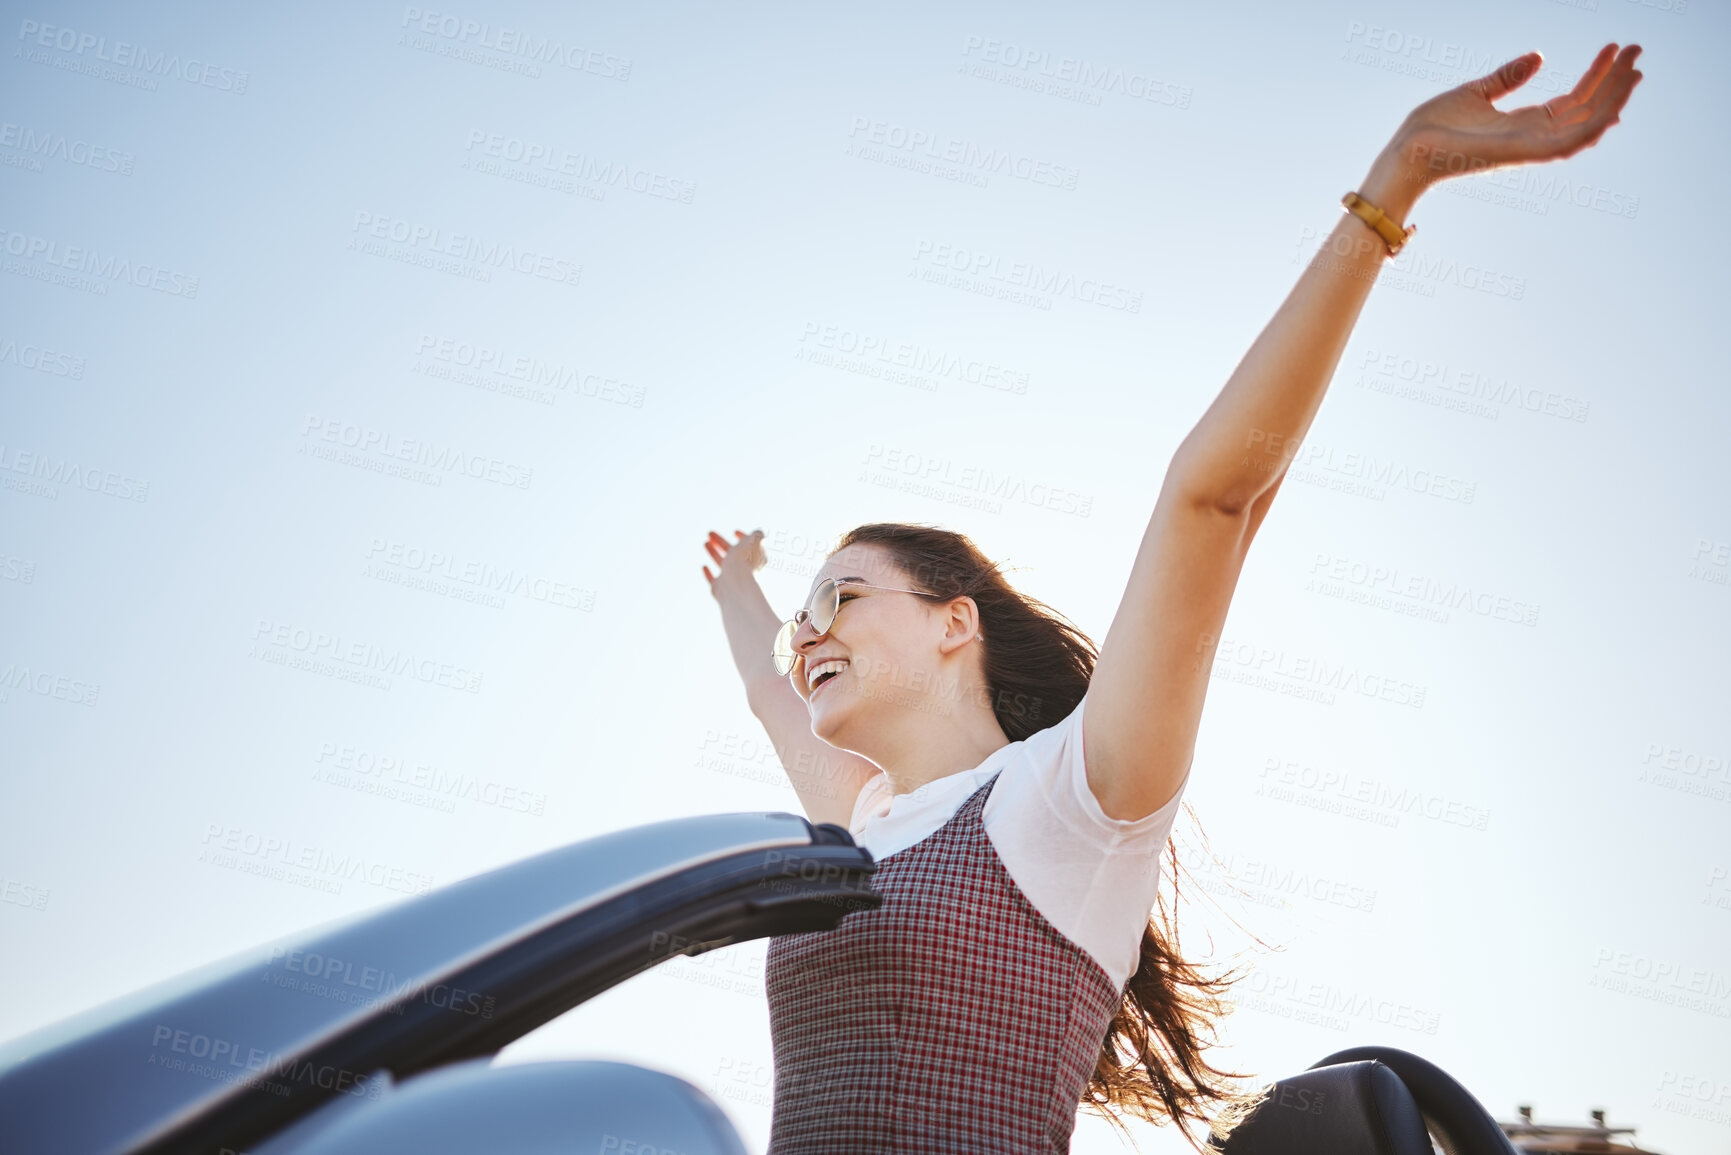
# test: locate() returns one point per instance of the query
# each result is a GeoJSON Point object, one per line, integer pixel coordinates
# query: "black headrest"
{"type": "Point", "coordinates": [1461, 1123]}
{"type": "Point", "coordinates": [1360, 1108]}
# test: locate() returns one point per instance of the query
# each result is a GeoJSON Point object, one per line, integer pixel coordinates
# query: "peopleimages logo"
{"type": "Point", "coordinates": [23, 894]}
{"type": "Point", "coordinates": [1084, 75]}
{"type": "Point", "coordinates": [817, 338]}
{"type": "Point", "coordinates": [43, 471]}
{"type": "Point", "coordinates": [1412, 270]}
{"type": "Point", "coordinates": [580, 166]}
{"type": "Point", "coordinates": [227, 1061]}
{"type": "Point", "coordinates": [47, 684]}
{"type": "Point", "coordinates": [282, 642]}
{"type": "Point", "coordinates": [516, 42]}
{"type": "Point", "coordinates": [1436, 374]}
{"type": "Point", "coordinates": [1438, 61]}
{"type": "Point", "coordinates": [930, 145]}
{"type": "Point", "coordinates": [103, 266]}
{"type": "Point", "coordinates": [536, 372]}
{"type": "Point", "coordinates": [931, 255]}
{"type": "Point", "coordinates": [1420, 589]}
{"type": "Point", "coordinates": [58, 146]}
{"type": "Point", "coordinates": [121, 54]}
{"type": "Point", "coordinates": [1353, 467]}
{"type": "Point", "coordinates": [389, 449]}
{"type": "Point", "coordinates": [318, 861]}
{"type": "Point", "coordinates": [1384, 800]}
{"type": "Point", "coordinates": [387, 771]}
{"type": "Point", "coordinates": [436, 242]}
{"type": "Point", "coordinates": [41, 359]}
{"type": "Point", "coordinates": [483, 578]}
{"type": "Point", "coordinates": [346, 980]}
{"type": "Point", "coordinates": [914, 472]}
{"type": "Point", "coordinates": [1301, 676]}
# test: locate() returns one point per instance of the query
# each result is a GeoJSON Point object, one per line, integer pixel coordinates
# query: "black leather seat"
{"type": "Point", "coordinates": [1368, 1101]}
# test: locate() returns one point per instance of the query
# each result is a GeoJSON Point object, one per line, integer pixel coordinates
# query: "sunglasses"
{"type": "Point", "coordinates": [820, 611]}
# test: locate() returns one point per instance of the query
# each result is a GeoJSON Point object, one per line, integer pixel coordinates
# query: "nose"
{"type": "Point", "coordinates": [806, 635]}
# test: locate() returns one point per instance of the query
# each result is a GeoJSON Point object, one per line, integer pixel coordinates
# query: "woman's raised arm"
{"type": "Point", "coordinates": [1145, 699]}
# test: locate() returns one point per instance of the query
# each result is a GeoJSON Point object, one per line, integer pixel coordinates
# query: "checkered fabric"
{"type": "Point", "coordinates": [953, 1018]}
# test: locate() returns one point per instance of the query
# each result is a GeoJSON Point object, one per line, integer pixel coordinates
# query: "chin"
{"type": "Point", "coordinates": [829, 718]}
{"type": "Point", "coordinates": [823, 722]}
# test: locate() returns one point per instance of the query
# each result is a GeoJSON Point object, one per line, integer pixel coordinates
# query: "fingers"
{"type": "Point", "coordinates": [1620, 80]}
{"type": "Point", "coordinates": [1591, 84]}
{"type": "Point", "coordinates": [1585, 123]}
{"type": "Point", "coordinates": [1584, 88]}
{"type": "Point", "coordinates": [1507, 78]}
{"type": "Point", "coordinates": [718, 545]}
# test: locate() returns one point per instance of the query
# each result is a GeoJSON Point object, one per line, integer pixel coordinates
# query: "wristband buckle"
{"type": "Point", "coordinates": [1393, 236]}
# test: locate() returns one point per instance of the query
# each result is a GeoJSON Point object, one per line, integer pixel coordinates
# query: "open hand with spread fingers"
{"type": "Point", "coordinates": [741, 557]}
{"type": "Point", "coordinates": [1461, 132]}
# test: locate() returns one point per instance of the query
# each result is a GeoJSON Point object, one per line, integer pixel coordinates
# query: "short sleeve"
{"type": "Point", "coordinates": [1092, 876]}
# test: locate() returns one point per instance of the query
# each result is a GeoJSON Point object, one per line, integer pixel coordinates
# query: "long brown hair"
{"type": "Point", "coordinates": [1037, 667]}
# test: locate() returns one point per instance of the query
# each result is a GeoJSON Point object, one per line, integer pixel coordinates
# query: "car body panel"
{"type": "Point", "coordinates": [229, 1053]}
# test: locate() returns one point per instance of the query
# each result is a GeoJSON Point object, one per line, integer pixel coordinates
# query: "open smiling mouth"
{"type": "Point", "coordinates": [827, 676]}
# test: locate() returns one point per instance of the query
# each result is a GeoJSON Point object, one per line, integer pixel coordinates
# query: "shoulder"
{"type": "Point", "coordinates": [1047, 780]}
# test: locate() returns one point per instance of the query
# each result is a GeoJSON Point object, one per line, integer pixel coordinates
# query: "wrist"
{"type": "Point", "coordinates": [1397, 178]}
{"type": "Point", "coordinates": [736, 589]}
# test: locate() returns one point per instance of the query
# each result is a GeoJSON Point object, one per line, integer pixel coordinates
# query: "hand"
{"type": "Point", "coordinates": [1460, 132]}
{"type": "Point", "coordinates": [733, 560]}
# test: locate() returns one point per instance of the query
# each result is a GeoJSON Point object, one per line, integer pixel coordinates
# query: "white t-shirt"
{"type": "Point", "coordinates": [1091, 876]}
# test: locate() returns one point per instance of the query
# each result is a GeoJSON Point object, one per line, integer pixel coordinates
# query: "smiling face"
{"type": "Point", "coordinates": [885, 654]}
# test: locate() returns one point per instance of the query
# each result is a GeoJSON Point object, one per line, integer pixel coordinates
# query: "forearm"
{"type": "Point", "coordinates": [826, 779]}
{"type": "Point", "coordinates": [1242, 444]}
{"type": "Point", "coordinates": [751, 624]}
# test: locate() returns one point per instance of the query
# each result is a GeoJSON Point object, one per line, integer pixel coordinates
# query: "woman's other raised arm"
{"type": "Point", "coordinates": [827, 779]}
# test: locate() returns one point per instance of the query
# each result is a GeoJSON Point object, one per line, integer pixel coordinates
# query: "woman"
{"type": "Point", "coordinates": [1016, 791]}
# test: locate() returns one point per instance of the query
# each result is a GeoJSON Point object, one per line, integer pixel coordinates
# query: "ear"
{"type": "Point", "coordinates": [961, 624]}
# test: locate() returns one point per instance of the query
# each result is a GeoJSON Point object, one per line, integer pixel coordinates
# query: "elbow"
{"type": "Point", "coordinates": [1250, 510]}
{"type": "Point", "coordinates": [1214, 487]}
{"type": "Point", "coordinates": [1234, 502]}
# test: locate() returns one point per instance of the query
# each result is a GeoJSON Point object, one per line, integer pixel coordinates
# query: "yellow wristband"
{"type": "Point", "coordinates": [1392, 234]}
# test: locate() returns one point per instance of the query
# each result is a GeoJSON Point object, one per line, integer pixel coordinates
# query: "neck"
{"type": "Point", "coordinates": [927, 747]}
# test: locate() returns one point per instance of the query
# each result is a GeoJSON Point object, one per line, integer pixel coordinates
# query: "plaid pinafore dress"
{"type": "Point", "coordinates": [953, 1018]}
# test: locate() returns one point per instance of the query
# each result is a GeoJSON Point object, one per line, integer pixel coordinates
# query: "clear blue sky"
{"type": "Point", "coordinates": [371, 374]}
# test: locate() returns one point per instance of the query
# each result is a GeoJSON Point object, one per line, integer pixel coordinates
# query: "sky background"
{"type": "Point", "coordinates": [221, 455]}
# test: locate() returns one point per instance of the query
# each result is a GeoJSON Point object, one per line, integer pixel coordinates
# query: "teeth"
{"type": "Point", "coordinates": [813, 673]}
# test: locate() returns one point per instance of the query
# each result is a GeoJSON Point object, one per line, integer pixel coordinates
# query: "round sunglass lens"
{"type": "Point", "coordinates": [783, 653]}
{"type": "Point", "coordinates": [825, 601]}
